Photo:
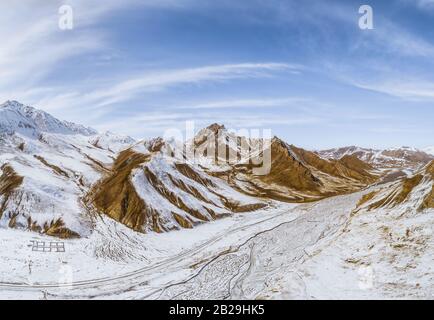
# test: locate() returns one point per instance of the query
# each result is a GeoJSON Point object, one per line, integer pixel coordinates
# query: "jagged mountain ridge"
{"type": "Point", "coordinates": [18, 118]}
{"type": "Point", "coordinates": [296, 175]}
{"type": "Point", "coordinates": [403, 157]}
{"type": "Point", "coordinates": [155, 186]}
{"type": "Point", "coordinates": [151, 192]}
{"type": "Point", "coordinates": [52, 164]}
{"type": "Point", "coordinates": [53, 172]}
{"type": "Point", "coordinates": [62, 173]}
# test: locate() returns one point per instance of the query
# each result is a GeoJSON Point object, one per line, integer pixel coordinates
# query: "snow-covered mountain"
{"type": "Point", "coordinates": [149, 188]}
{"type": "Point", "coordinates": [46, 167]}
{"type": "Point", "coordinates": [401, 158]}
{"type": "Point", "coordinates": [56, 175]}
{"type": "Point", "coordinates": [331, 226]}
{"type": "Point", "coordinates": [51, 174]}
{"type": "Point", "coordinates": [18, 118]}
{"type": "Point", "coordinates": [295, 175]}
{"type": "Point", "coordinates": [64, 174]}
{"type": "Point", "coordinates": [111, 141]}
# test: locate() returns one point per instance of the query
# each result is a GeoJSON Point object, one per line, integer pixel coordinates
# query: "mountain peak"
{"type": "Point", "coordinates": [16, 117]}
{"type": "Point", "coordinates": [216, 127]}
{"type": "Point", "coordinates": [11, 104]}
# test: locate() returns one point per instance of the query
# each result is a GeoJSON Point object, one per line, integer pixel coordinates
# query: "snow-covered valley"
{"type": "Point", "coordinates": [307, 251]}
{"type": "Point", "coordinates": [102, 216]}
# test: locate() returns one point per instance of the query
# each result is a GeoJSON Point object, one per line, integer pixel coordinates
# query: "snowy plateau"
{"type": "Point", "coordinates": [88, 215]}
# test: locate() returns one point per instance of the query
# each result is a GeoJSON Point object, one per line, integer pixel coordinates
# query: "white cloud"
{"type": "Point", "coordinates": [426, 3]}
{"type": "Point", "coordinates": [422, 4]}
{"type": "Point", "coordinates": [163, 79]}
{"type": "Point", "coordinates": [124, 90]}
{"type": "Point", "coordinates": [412, 90]}
{"type": "Point", "coordinates": [154, 124]}
{"type": "Point", "coordinates": [391, 38]}
{"type": "Point", "coordinates": [248, 103]}
{"type": "Point", "coordinates": [33, 46]}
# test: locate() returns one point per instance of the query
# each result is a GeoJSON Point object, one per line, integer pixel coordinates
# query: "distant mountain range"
{"type": "Point", "coordinates": [15, 118]}
{"type": "Point", "coordinates": [56, 176]}
{"type": "Point", "coordinates": [389, 158]}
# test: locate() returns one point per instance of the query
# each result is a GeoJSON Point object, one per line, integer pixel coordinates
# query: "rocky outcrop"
{"type": "Point", "coordinates": [9, 182]}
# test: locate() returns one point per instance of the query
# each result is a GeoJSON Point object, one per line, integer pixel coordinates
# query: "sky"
{"type": "Point", "coordinates": [304, 69]}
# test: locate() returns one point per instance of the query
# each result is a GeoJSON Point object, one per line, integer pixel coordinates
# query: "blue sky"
{"type": "Point", "coordinates": [301, 68]}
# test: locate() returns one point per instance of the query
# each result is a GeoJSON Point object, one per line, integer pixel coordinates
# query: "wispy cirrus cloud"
{"type": "Point", "coordinates": [33, 46]}
{"type": "Point", "coordinates": [425, 4]}
{"type": "Point", "coordinates": [157, 80]}
{"type": "Point", "coordinates": [107, 71]}
{"type": "Point", "coordinates": [390, 38]}
{"type": "Point", "coordinates": [411, 90]}
{"type": "Point", "coordinates": [247, 103]}
{"type": "Point", "coordinates": [421, 4]}
{"type": "Point", "coordinates": [158, 122]}
{"type": "Point", "coordinates": [321, 21]}
{"type": "Point", "coordinates": [36, 45]}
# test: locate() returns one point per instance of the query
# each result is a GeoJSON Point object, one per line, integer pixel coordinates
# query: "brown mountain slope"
{"type": "Point", "coordinates": [347, 167]}
{"type": "Point", "coordinates": [151, 192]}
{"type": "Point", "coordinates": [288, 171]}
{"type": "Point", "coordinates": [295, 174]}
{"type": "Point", "coordinates": [153, 186]}
{"type": "Point", "coordinates": [9, 181]}
{"type": "Point", "coordinates": [428, 201]}
{"type": "Point", "coordinates": [416, 191]}
{"type": "Point", "coordinates": [116, 197]}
